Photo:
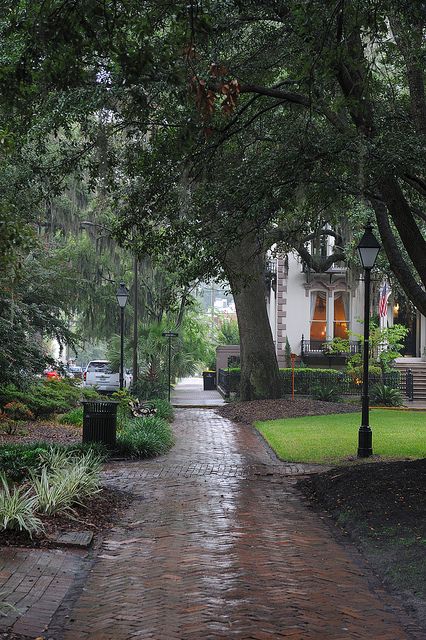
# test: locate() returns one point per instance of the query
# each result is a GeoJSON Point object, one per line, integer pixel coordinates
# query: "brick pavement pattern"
{"type": "Point", "coordinates": [217, 543]}
{"type": "Point", "coordinates": [34, 582]}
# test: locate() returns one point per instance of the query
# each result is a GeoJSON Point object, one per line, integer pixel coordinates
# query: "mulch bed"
{"type": "Point", "coordinates": [50, 432]}
{"type": "Point", "coordinates": [100, 512]}
{"type": "Point", "coordinates": [381, 507]}
{"type": "Point", "coordinates": [249, 412]}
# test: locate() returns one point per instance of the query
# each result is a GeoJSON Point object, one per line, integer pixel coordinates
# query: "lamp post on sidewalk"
{"type": "Point", "coordinates": [122, 295]}
{"type": "Point", "coordinates": [368, 249]}
{"type": "Point", "coordinates": [170, 335]}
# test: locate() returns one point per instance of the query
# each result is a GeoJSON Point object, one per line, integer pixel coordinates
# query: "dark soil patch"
{"type": "Point", "coordinates": [249, 412]}
{"type": "Point", "coordinates": [50, 432]}
{"type": "Point", "coordinates": [100, 512]}
{"type": "Point", "coordinates": [382, 508]}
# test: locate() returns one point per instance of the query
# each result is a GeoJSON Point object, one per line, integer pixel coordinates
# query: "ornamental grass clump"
{"type": "Point", "coordinates": [17, 508]}
{"type": "Point", "coordinates": [144, 437]}
{"type": "Point", "coordinates": [64, 481]}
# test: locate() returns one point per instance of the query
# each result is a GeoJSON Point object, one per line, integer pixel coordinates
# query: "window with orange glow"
{"type": "Point", "coordinates": [341, 314]}
{"type": "Point", "coordinates": [318, 316]}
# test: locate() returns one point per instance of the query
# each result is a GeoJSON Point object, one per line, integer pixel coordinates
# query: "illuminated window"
{"type": "Point", "coordinates": [318, 331]}
{"type": "Point", "coordinates": [341, 315]}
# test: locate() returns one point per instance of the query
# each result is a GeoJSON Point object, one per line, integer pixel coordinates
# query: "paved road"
{"type": "Point", "coordinates": [217, 543]}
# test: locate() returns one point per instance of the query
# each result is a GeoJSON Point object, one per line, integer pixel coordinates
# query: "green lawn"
{"type": "Point", "coordinates": [334, 438]}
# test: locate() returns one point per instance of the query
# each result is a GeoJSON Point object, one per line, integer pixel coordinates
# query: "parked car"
{"type": "Point", "coordinates": [75, 371]}
{"type": "Point", "coordinates": [98, 374]}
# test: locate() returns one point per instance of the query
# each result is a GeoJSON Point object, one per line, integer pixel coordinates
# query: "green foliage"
{"type": "Point", "coordinates": [326, 393]}
{"type": "Point", "coordinates": [382, 395]}
{"type": "Point", "coordinates": [356, 371]}
{"type": "Point", "coordinates": [287, 351]}
{"type": "Point", "coordinates": [150, 385]}
{"type": "Point", "coordinates": [75, 417]}
{"type": "Point", "coordinates": [385, 346]}
{"type": "Point", "coordinates": [336, 346]}
{"type": "Point", "coordinates": [32, 305]}
{"type": "Point", "coordinates": [163, 408]}
{"type": "Point", "coordinates": [229, 332]}
{"type": "Point", "coordinates": [17, 507]}
{"type": "Point", "coordinates": [18, 411]}
{"type": "Point", "coordinates": [65, 481]}
{"type": "Point", "coordinates": [144, 437]}
{"type": "Point", "coordinates": [123, 397]}
{"type": "Point", "coordinates": [18, 461]}
{"type": "Point", "coordinates": [90, 394]}
{"type": "Point", "coordinates": [43, 397]}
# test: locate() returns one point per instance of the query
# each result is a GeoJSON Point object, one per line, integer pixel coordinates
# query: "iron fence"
{"type": "Point", "coordinates": [305, 380]}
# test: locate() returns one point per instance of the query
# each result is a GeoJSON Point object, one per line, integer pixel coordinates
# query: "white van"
{"type": "Point", "coordinates": [98, 375]}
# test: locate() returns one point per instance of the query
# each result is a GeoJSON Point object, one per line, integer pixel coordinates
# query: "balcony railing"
{"type": "Point", "coordinates": [327, 348]}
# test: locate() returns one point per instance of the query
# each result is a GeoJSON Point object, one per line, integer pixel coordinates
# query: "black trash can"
{"type": "Point", "coordinates": [100, 422]}
{"type": "Point", "coordinates": [209, 380]}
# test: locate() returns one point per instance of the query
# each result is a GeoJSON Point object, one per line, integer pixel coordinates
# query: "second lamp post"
{"type": "Point", "coordinates": [122, 295]}
{"type": "Point", "coordinates": [368, 249]}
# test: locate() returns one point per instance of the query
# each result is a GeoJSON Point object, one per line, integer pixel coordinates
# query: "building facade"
{"type": "Point", "coordinates": [310, 309]}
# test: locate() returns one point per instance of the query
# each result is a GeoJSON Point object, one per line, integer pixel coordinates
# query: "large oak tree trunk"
{"type": "Point", "coordinates": [245, 268]}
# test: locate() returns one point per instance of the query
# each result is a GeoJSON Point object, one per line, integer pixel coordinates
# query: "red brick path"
{"type": "Point", "coordinates": [218, 544]}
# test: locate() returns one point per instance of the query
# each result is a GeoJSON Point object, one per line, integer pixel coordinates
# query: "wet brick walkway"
{"type": "Point", "coordinates": [218, 544]}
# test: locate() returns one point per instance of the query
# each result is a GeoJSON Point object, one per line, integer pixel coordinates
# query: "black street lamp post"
{"type": "Point", "coordinates": [368, 249]}
{"type": "Point", "coordinates": [122, 295]}
{"type": "Point", "coordinates": [170, 335]}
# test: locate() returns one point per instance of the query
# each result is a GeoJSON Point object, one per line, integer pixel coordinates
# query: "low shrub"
{"type": "Point", "coordinates": [148, 387]}
{"type": "Point", "coordinates": [18, 461]}
{"type": "Point", "coordinates": [44, 397]}
{"type": "Point", "coordinates": [123, 397]}
{"type": "Point", "coordinates": [75, 417]}
{"type": "Point", "coordinates": [17, 508]}
{"type": "Point", "coordinates": [18, 411]}
{"type": "Point", "coordinates": [15, 414]}
{"type": "Point", "coordinates": [163, 408]}
{"type": "Point", "coordinates": [90, 394]}
{"type": "Point", "coordinates": [144, 437]}
{"type": "Point", "coordinates": [326, 393]}
{"type": "Point", "coordinates": [65, 481]}
{"type": "Point", "coordinates": [385, 396]}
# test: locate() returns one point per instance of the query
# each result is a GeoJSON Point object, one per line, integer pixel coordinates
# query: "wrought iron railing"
{"type": "Point", "coordinates": [408, 384]}
{"type": "Point", "coordinates": [327, 348]}
{"type": "Point", "coordinates": [307, 379]}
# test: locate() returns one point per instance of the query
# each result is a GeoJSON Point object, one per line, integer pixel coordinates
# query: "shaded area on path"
{"type": "Point", "coordinates": [203, 554]}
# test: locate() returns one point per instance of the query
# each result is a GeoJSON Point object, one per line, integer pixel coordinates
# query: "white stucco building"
{"type": "Point", "coordinates": [308, 309]}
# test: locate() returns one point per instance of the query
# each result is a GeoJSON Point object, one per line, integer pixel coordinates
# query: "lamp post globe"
{"type": "Point", "coordinates": [122, 296]}
{"type": "Point", "coordinates": [368, 250]}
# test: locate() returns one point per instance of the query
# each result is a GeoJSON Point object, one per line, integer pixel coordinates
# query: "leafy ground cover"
{"type": "Point", "coordinates": [332, 439]}
{"type": "Point", "coordinates": [96, 514]}
{"type": "Point", "coordinates": [382, 508]}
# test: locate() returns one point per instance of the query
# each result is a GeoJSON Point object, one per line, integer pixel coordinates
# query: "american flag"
{"type": "Point", "coordinates": [385, 292]}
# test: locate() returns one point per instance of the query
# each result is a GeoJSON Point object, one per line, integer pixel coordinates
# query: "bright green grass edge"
{"type": "Point", "coordinates": [333, 439]}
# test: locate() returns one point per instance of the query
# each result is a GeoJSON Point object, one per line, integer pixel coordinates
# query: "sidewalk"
{"type": "Point", "coordinates": [217, 543]}
{"type": "Point", "coordinates": [189, 393]}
